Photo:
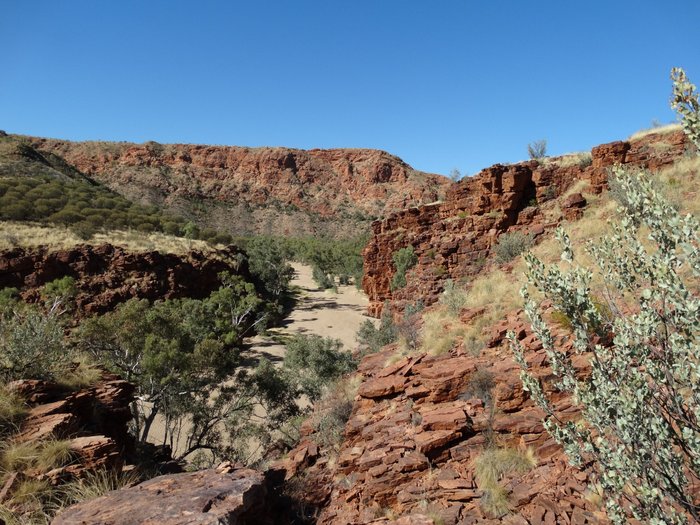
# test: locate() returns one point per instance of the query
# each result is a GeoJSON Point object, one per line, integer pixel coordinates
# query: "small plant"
{"type": "Point", "coordinates": [510, 245]}
{"type": "Point", "coordinates": [332, 412]}
{"type": "Point", "coordinates": [481, 385]}
{"type": "Point", "coordinates": [685, 102]}
{"type": "Point", "coordinates": [63, 289]}
{"type": "Point", "coordinates": [374, 338]}
{"type": "Point", "coordinates": [322, 279]}
{"type": "Point", "coordinates": [408, 329]}
{"type": "Point", "coordinates": [12, 409]}
{"type": "Point", "coordinates": [490, 466]}
{"type": "Point", "coordinates": [549, 193]}
{"type": "Point", "coordinates": [537, 150]}
{"type": "Point", "coordinates": [455, 175]}
{"type": "Point", "coordinates": [404, 259]}
{"type": "Point", "coordinates": [453, 297]}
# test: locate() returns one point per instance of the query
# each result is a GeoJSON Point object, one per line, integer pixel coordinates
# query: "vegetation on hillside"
{"type": "Point", "coordinates": [186, 358]}
{"type": "Point", "coordinates": [87, 209]}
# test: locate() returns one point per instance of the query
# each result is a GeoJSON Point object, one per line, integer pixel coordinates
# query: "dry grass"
{"type": "Point", "coordinates": [582, 158]}
{"type": "Point", "coordinates": [96, 484]}
{"type": "Point", "coordinates": [490, 466]}
{"type": "Point", "coordinates": [12, 408]}
{"type": "Point", "coordinates": [13, 234]}
{"type": "Point", "coordinates": [441, 330]}
{"type": "Point", "coordinates": [82, 373]}
{"type": "Point", "coordinates": [43, 456]}
{"type": "Point", "coordinates": [680, 183]}
{"type": "Point", "coordinates": [661, 130]}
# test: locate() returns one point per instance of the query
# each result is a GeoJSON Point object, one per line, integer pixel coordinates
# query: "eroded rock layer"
{"type": "Point", "coordinates": [419, 424]}
{"type": "Point", "coordinates": [454, 238]}
{"type": "Point", "coordinates": [107, 275]}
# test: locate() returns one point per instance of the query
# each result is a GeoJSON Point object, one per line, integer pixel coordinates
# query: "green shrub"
{"type": "Point", "coordinates": [372, 338]}
{"type": "Point", "coordinates": [322, 279]}
{"type": "Point", "coordinates": [316, 361]}
{"type": "Point", "coordinates": [453, 297]}
{"type": "Point", "coordinates": [510, 245]}
{"type": "Point", "coordinates": [639, 404]}
{"type": "Point", "coordinates": [404, 259]}
{"type": "Point", "coordinates": [63, 289]}
{"type": "Point", "coordinates": [31, 346]}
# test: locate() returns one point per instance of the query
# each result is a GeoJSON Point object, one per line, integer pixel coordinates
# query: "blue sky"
{"type": "Point", "coordinates": [442, 84]}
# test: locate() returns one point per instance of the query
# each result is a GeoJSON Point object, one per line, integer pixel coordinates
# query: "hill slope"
{"type": "Point", "coordinates": [241, 190]}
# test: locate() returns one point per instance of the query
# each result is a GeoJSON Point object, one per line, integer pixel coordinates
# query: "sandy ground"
{"type": "Point", "coordinates": [320, 312]}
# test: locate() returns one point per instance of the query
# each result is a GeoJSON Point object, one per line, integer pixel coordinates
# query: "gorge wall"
{"type": "Point", "coordinates": [453, 239]}
{"type": "Point", "coordinates": [108, 275]}
{"type": "Point", "coordinates": [241, 190]}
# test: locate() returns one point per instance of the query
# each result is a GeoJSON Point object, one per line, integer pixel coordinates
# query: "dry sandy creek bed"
{"type": "Point", "coordinates": [318, 312]}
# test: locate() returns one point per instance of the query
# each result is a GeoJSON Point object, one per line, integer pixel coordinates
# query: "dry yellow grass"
{"type": "Point", "coordinates": [661, 130]}
{"type": "Point", "coordinates": [490, 466]}
{"type": "Point", "coordinates": [441, 329]}
{"type": "Point", "coordinates": [582, 158]}
{"type": "Point", "coordinates": [14, 234]}
{"type": "Point", "coordinates": [498, 292]}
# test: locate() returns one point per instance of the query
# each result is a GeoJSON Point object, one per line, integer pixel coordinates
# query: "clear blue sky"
{"type": "Point", "coordinates": [441, 83]}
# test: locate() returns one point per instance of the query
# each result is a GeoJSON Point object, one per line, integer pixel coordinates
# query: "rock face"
{"type": "Point", "coordinates": [417, 427]}
{"type": "Point", "coordinates": [107, 275]}
{"type": "Point", "coordinates": [215, 497]}
{"type": "Point", "coordinates": [453, 239]}
{"type": "Point", "coordinates": [256, 190]}
{"type": "Point", "coordinates": [93, 419]}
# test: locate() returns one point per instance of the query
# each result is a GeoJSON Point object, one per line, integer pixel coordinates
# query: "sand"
{"type": "Point", "coordinates": [320, 312]}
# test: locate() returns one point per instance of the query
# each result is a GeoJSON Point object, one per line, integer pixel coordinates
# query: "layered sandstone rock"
{"type": "Point", "coordinates": [217, 497]}
{"type": "Point", "coordinates": [454, 238]}
{"type": "Point", "coordinates": [94, 421]}
{"type": "Point", "coordinates": [417, 427]}
{"type": "Point", "coordinates": [107, 275]}
{"type": "Point", "coordinates": [256, 190]}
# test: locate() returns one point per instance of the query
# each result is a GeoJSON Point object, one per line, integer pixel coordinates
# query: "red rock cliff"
{"type": "Point", "coordinates": [245, 189]}
{"type": "Point", "coordinates": [453, 238]}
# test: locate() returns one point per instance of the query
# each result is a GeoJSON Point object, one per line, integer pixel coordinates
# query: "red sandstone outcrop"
{"type": "Point", "coordinates": [107, 275]}
{"type": "Point", "coordinates": [217, 497]}
{"type": "Point", "coordinates": [416, 429]}
{"type": "Point", "coordinates": [453, 239]}
{"type": "Point", "coordinates": [94, 421]}
{"type": "Point", "coordinates": [333, 185]}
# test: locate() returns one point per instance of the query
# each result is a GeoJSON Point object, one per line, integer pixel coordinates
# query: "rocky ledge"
{"type": "Point", "coordinates": [107, 275]}
{"type": "Point", "coordinates": [222, 496]}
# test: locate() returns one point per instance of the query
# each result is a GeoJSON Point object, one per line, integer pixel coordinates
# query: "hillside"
{"type": "Point", "coordinates": [242, 191]}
